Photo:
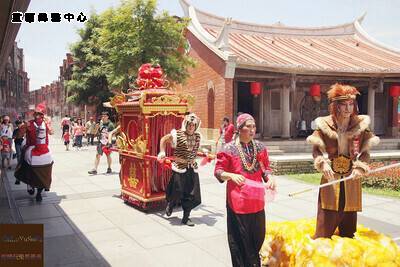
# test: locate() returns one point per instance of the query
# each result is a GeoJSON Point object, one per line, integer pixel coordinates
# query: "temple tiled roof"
{"type": "Point", "coordinates": [345, 48]}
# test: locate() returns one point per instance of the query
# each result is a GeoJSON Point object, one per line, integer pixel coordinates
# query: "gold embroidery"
{"type": "Point", "coordinates": [133, 181]}
{"type": "Point", "coordinates": [341, 164]}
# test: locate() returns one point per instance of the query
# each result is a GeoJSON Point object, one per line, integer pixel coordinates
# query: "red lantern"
{"type": "Point", "coordinates": [255, 88]}
{"type": "Point", "coordinates": [315, 89]}
{"type": "Point", "coordinates": [394, 91]}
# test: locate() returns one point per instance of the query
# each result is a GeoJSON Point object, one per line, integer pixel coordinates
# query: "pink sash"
{"type": "Point", "coordinates": [256, 190]}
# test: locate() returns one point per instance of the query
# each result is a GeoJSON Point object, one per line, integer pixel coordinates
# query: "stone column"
{"type": "Point", "coordinates": [285, 113]}
{"type": "Point", "coordinates": [261, 112]}
{"type": "Point", "coordinates": [371, 105]}
{"type": "Point", "coordinates": [294, 115]}
{"type": "Point", "coordinates": [394, 116]}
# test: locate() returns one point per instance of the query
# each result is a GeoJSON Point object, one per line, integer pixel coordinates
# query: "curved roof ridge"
{"type": "Point", "coordinates": [212, 20]}
{"type": "Point", "coordinates": [364, 35]}
{"type": "Point", "coordinates": [345, 48]}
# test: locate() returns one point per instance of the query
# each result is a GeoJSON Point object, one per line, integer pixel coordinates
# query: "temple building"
{"type": "Point", "coordinates": [281, 74]}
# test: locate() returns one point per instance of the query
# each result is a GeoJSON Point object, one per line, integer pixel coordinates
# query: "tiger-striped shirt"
{"type": "Point", "coordinates": [186, 147]}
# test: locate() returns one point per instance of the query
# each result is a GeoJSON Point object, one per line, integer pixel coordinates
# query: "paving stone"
{"type": "Point", "coordinates": [39, 211]}
{"type": "Point", "coordinates": [185, 254]}
{"type": "Point", "coordinates": [67, 250]}
{"type": "Point", "coordinates": [53, 227]}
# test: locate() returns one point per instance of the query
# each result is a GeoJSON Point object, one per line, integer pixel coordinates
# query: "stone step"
{"type": "Point", "coordinates": [303, 163]}
{"type": "Point", "coordinates": [280, 147]}
{"type": "Point", "coordinates": [275, 152]}
{"type": "Point", "coordinates": [301, 146]}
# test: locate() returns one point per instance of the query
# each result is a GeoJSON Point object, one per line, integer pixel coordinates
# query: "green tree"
{"type": "Point", "coordinates": [89, 83]}
{"type": "Point", "coordinates": [134, 34]}
{"type": "Point", "coordinates": [117, 42]}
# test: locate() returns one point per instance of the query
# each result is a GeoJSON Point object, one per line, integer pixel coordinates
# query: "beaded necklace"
{"type": "Point", "coordinates": [243, 158]}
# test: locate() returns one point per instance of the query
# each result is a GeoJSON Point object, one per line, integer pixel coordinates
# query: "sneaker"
{"type": "Point", "coordinates": [109, 170]}
{"type": "Point", "coordinates": [9, 167]}
{"type": "Point", "coordinates": [17, 182]}
{"type": "Point", "coordinates": [92, 172]}
{"type": "Point", "coordinates": [188, 222]}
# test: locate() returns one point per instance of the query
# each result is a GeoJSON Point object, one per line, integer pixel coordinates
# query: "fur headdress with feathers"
{"type": "Point", "coordinates": [340, 92]}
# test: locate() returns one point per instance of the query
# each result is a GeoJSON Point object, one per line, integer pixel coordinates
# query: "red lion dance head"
{"type": "Point", "coordinates": [150, 76]}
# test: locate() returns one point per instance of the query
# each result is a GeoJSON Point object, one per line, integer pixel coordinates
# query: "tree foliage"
{"type": "Point", "coordinates": [115, 43]}
{"type": "Point", "coordinates": [89, 83]}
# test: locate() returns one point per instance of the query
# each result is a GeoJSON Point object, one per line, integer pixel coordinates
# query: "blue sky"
{"type": "Point", "coordinates": [45, 44]}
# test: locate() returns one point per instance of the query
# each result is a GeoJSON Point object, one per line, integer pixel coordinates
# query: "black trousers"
{"type": "Point", "coordinates": [184, 188]}
{"type": "Point", "coordinates": [246, 234]}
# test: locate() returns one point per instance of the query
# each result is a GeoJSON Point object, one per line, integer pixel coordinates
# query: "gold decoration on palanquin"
{"type": "Point", "coordinates": [133, 181]}
{"type": "Point", "coordinates": [341, 164]}
{"type": "Point", "coordinates": [166, 99]}
{"type": "Point", "coordinates": [138, 145]}
{"type": "Point", "coordinates": [117, 99]}
{"type": "Point", "coordinates": [121, 141]}
{"type": "Point", "coordinates": [187, 98]}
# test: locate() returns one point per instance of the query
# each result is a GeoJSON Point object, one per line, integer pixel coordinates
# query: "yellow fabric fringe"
{"type": "Point", "coordinates": [290, 244]}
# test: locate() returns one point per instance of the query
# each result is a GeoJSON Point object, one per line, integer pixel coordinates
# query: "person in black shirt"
{"type": "Point", "coordinates": [18, 139]}
{"type": "Point", "coordinates": [106, 130]}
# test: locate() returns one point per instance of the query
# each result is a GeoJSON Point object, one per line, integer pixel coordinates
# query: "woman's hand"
{"type": "Point", "coordinates": [328, 172]}
{"type": "Point", "coordinates": [271, 183]}
{"type": "Point", "coordinates": [237, 178]}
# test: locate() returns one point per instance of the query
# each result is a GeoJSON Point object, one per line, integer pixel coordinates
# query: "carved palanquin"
{"type": "Point", "coordinates": [145, 116]}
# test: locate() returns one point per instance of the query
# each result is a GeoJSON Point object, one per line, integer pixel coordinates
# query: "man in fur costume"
{"type": "Point", "coordinates": [36, 162]}
{"type": "Point", "coordinates": [184, 185]}
{"type": "Point", "coordinates": [346, 138]}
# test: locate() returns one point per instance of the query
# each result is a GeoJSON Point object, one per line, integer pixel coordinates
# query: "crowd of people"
{"type": "Point", "coordinates": [10, 133]}
{"type": "Point", "coordinates": [27, 142]}
{"type": "Point", "coordinates": [75, 129]}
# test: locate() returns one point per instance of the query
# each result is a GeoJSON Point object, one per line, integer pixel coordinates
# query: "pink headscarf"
{"type": "Point", "coordinates": [241, 120]}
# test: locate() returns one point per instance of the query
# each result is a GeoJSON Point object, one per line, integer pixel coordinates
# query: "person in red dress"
{"type": "Point", "coordinates": [226, 132]}
{"type": "Point", "coordinates": [5, 147]}
{"type": "Point", "coordinates": [36, 162]}
{"type": "Point", "coordinates": [244, 165]}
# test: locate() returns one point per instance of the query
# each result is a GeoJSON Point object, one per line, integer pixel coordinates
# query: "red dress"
{"type": "Point", "coordinates": [229, 131]}
{"type": "Point", "coordinates": [5, 145]}
{"type": "Point", "coordinates": [32, 138]}
{"type": "Point", "coordinates": [36, 167]}
{"type": "Point", "coordinates": [228, 160]}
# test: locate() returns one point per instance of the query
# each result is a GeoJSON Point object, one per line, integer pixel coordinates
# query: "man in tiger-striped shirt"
{"type": "Point", "coordinates": [184, 184]}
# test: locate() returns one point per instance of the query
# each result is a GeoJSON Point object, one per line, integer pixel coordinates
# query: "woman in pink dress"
{"type": "Point", "coordinates": [78, 130]}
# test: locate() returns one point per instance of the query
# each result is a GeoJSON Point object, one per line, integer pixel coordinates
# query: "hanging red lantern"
{"type": "Point", "coordinates": [255, 88]}
{"type": "Point", "coordinates": [394, 91]}
{"type": "Point", "coordinates": [315, 89]}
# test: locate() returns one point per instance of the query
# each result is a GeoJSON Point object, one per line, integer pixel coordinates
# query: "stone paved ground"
{"type": "Point", "coordinates": [86, 223]}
